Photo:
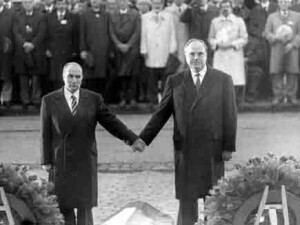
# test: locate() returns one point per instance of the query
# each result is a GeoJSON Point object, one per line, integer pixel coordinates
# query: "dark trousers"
{"type": "Point", "coordinates": [127, 88]}
{"type": "Point", "coordinates": [155, 74]}
{"type": "Point", "coordinates": [84, 216]}
{"type": "Point", "coordinates": [188, 212]}
{"type": "Point", "coordinates": [280, 90]}
{"type": "Point", "coordinates": [30, 90]}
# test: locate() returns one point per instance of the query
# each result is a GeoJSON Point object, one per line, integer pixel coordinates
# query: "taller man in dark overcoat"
{"type": "Point", "coordinates": [202, 102]}
{"type": "Point", "coordinates": [69, 150]}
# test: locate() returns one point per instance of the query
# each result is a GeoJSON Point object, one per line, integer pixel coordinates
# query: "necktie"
{"type": "Point", "coordinates": [73, 105]}
{"type": "Point", "coordinates": [198, 82]}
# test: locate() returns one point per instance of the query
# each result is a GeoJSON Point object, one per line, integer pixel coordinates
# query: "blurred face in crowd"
{"type": "Point", "coordinates": [238, 2]}
{"type": "Point", "coordinates": [61, 5]}
{"type": "Point", "coordinates": [48, 2]}
{"type": "Point", "coordinates": [96, 4]}
{"type": "Point", "coordinates": [143, 6]}
{"type": "Point", "coordinates": [28, 5]}
{"type": "Point", "coordinates": [178, 2]}
{"type": "Point", "coordinates": [123, 4]}
{"type": "Point", "coordinates": [72, 76]}
{"type": "Point", "coordinates": [226, 8]}
{"type": "Point", "coordinates": [157, 5]}
{"type": "Point", "coordinates": [284, 4]}
{"type": "Point", "coordinates": [196, 55]}
{"type": "Point", "coordinates": [111, 5]}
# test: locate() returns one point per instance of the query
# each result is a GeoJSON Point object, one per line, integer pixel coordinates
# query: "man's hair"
{"type": "Point", "coordinates": [71, 64]}
{"type": "Point", "coordinates": [226, 1]}
{"type": "Point", "coordinates": [195, 40]}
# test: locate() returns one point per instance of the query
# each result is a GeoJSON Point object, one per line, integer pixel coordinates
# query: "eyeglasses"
{"type": "Point", "coordinates": [76, 76]}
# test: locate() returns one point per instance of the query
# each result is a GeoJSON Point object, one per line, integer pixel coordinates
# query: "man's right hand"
{"type": "Point", "coordinates": [47, 167]}
{"type": "Point", "coordinates": [139, 145]}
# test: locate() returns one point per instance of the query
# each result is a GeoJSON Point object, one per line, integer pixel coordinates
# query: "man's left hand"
{"type": "Point", "coordinates": [226, 155]}
{"type": "Point", "coordinates": [139, 145]}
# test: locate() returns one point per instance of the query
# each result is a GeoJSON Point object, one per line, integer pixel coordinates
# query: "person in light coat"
{"type": "Point", "coordinates": [177, 8]}
{"type": "Point", "coordinates": [227, 37]}
{"type": "Point", "coordinates": [158, 40]}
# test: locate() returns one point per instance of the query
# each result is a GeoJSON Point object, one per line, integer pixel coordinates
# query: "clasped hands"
{"type": "Point", "coordinates": [139, 145]}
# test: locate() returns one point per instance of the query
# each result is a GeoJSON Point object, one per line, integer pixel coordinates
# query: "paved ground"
{"type": "Point", "coordinates": [258, 133]}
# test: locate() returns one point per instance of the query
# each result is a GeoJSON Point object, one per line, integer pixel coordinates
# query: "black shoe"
{"type": "Point", "coordinates": [25, 106]}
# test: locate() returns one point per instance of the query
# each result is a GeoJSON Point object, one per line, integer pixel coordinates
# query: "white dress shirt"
{"type": "Point", "coordinates": [202, 74]}
{"type": "Point", "coordinates": [68, 95]}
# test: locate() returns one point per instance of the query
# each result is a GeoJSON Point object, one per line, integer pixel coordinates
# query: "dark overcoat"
{"type": "Point", "coordinates": [6, 38]}
{"type": "Point", "coordinates": [69, 143]}
{"type": "Point", "coordinates": [204, 126]}
{"type": "Point", "coordinates": [95, 38]}
{"type": "Point", "coordinates": [30, 29]}
{"type": "Point", "coordinates": [62, 41]}
{"type": "Point", "coordinates": [125, 29]}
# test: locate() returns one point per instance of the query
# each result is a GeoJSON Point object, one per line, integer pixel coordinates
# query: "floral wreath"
{"type": "Point", "coordinates": [250, 179]}
{"type": "Point", "coordinates": [30, 198]}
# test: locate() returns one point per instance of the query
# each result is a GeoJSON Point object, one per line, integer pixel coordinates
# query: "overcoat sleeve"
{"type": "Point", "coordinates": [46, 134]}
{"type": "Point", "coordinates": [143, 48]}
{"type": "Point", "coordinates": [229, 116]}
{"type": "Point", "coordinates": [160, 117]}
{"type": "Point", "coordinates": [242, 37]}
{"type": "Point", "coordinates": [269, 30]}
{"type": "Point", "coordinates": [113, 125]}
{"type": "Point", "coordinates": [39, 38]}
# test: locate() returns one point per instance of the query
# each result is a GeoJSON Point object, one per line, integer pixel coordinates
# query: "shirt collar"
{"type": "Point", "coordinates": [265, 4]}
{"type": "Point", "coordinates": [61, 13]}
{"type": "Point", "coordinates": [205, 7]}
{"type": "Point", "coordinates": [49, 8]}
{"type": "Point", "coordinates": [123, 11]}
{"type": "Point", "coordinates": [29, 13]}
{"type": "Point", "coordinates": [202, 74]}
{"type": "Point", "coordinates": [68, 94]}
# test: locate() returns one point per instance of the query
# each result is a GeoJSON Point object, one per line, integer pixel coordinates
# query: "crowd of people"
{"type": "Point", "coordinates": [129, 48]}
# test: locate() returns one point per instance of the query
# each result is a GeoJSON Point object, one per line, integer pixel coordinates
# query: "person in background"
{"type": "Point", "coordinates": [177, 8]}
{"type": "Point", "coordinates": [30, 59]}
{"type": "Point", "coordinates": [158, 41]}
{"type": "Point", "coordinates": [241, 10]}
{"type": "Point", "coordinates": [256, 25]}
{"type": "Point", "coordinates": [125, 34]}
{"type": "Point", "coordinates": [62, 40]}
{"type": "Point", "coordinates": [282, 31]}
{"type": "Point", "coordinates": [198, 17]}
{"type": "Point", "coordinates": [69, 117]}
{"type": "Point", "coordinates": [6, 54]}
{"type": "Point", "coordinates": [143, 6]}
{"type": "Point", "coordinates": [227, 37]}
{"type": "Point", "coordinates": [94, 26]}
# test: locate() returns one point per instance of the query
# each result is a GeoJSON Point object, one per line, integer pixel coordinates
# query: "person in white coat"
{"type": "Point", "coordinates": [158, 41]}
{"type": "Point", "coordinates": [227, 37]}
{"type": "Point", "coordinates": [177, 8]}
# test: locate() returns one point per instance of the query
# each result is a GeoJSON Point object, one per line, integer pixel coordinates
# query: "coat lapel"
{"type": "Point", "coordinates": [204, 88]}
{"type": "Point", "coordinates": [63, 112]}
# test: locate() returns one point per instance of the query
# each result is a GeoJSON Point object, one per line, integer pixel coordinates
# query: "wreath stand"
{"type": "Point", "coordinates": [273, 207]}
{"type": "Point", "coordinates": [5, 207]}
